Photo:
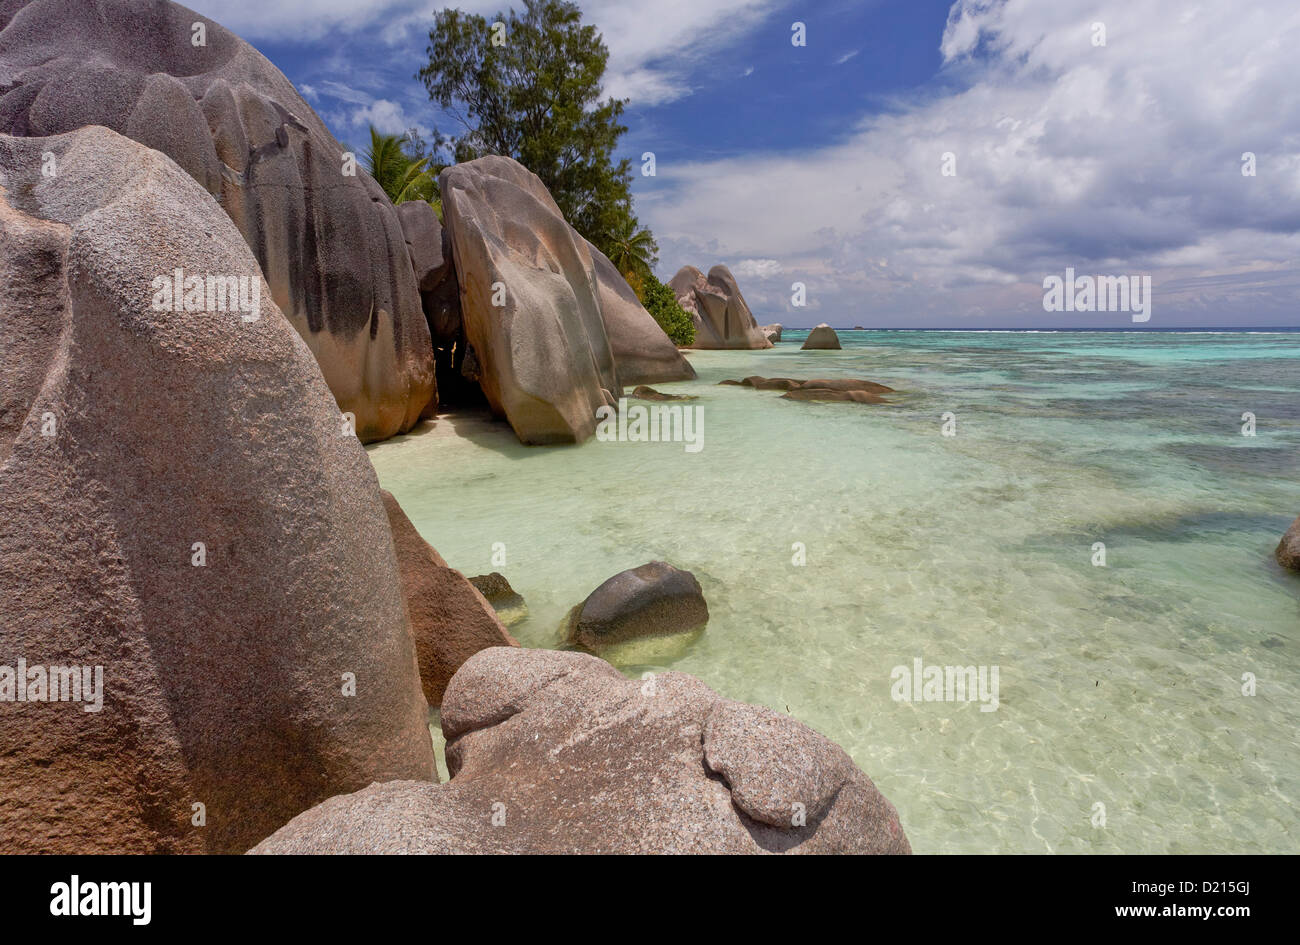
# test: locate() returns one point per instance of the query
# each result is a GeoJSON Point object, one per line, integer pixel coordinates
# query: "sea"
{"type": "Point", "coordinates": [1087, 517]}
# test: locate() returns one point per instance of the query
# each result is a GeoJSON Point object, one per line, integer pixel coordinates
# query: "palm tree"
{"type": "Point", "coordinates": [632, 250]}
{"type": "Point", "coordinates": [402, 176]}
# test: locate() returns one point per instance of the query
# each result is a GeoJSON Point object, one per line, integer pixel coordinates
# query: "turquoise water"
{"type": "Point", "coordinates": [1118, 685]}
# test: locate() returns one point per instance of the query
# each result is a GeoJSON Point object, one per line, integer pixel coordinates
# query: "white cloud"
{"type": "Point", "coordinates": [1123, 158]}
{"type": "Point", "coordinates": [652, 46]}
{"type": "Point", "coordinates": [846, 57]}
{"type": "Point", "coordinates": [758, 268]}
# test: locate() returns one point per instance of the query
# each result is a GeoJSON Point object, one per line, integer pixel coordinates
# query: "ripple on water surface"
{"type": "Point", "coordinates": [1119, 686]}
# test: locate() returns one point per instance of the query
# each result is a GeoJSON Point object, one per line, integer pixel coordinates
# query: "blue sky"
{"type": "Point", "coordinates": [824, 164]}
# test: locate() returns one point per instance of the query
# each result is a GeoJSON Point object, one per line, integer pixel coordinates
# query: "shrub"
{"type": "Point", "coordinates": [662, 305]}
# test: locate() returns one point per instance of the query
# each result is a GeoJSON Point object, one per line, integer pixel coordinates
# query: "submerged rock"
{"type": "Point", "coordinates": [1288, 549]}
{"type": "Point", "coordinates": [721, 316]}
{"type": "Point", "coordinates": [555, 752]}
{"type": "Point", "coordinates": [505, 600]}
{"type": "Point", "coordinates": [649, 393]}
{"type": "Point", "coordinates": [179, 508]}
{"type": "Point", "coordinates": [450, 619]}
{"type": "Point", "coordinates": [771, 383]}
{"type": "Point", "coordinates": [329, 244]}
{"type": "Point", "coordinates": [822, 338]}
{"type": "Point", "coordinates": [846, 383]}
{"type": "Point", "coordinates": [655, 599]}
{"type": "Point", "coordinates": [856, 396]}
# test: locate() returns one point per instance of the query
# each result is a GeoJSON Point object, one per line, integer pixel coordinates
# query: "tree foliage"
{"type": "Point", "coordinates": [402, 166]}
{"type": "Point", "coordinates": [665, 309]}
{"type": "Point", "coordinates": [532, 91]}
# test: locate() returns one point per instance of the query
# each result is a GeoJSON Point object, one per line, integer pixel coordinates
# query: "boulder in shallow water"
{"type": "Point", "coordinates": [328, 243]}
{"type": "Point", "coordinates": [529, 301]}
{"type": "Point", "coordinates": [772, 332]}
{"type": "Point", "coordinates": [722, 317]}
{"type": "Point", "coordinates": [822, 338]}
{"type": "Point", "coordinates": [653, 600]}
{"type": "Point", "coordinates": [450, 619]}
{"type": "Point", "coordinates": [179, 507]}
{"type": "Point", "coordinates": [555, 752]}
{"type": "Point", "coordinates": [1288, 549]}
{"type": "Point", "coordinates": [505, 600]}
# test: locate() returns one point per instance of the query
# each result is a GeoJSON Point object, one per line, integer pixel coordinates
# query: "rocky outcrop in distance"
{"type": "Point", "coordinates": [185, 524]}
{"type": "Point", "coordinates": [324, 234]}
{"type": "Point", "coordinates": [822, 338]}
{"type": "Point", "coordinates": [554, 752]}
{"type": "Point", "coordinates": [721, 316]}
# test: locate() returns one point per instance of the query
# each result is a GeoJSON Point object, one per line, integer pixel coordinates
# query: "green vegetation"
{"type": "Point", "coordinates": [633, 252]}
{"type": "Point", "coordinates": [532, 91]}
{"type": "Point", "coordinates": [663, 307]}
{"type": "Point", "coordinates": [401, 165]}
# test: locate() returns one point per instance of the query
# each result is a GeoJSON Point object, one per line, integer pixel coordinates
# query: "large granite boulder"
{"type": "Point", "coordinates": [1288, 549]}
{"type": "Point", "coordinates": [529, 301]}
{"type": "Point", "coordinates": [555, 752]}
{"type": "Point", "coordinates": [643, 353]}
{"type": "Point", "coordinates": [450, 619]}
{"type": "Point", "coordinates": [772, 332]}
{"type": "Point", "coordinates": [329, 244]}
{"type": "Point", "coordinates": [722, 318]}
{"type": "Point", "coordinates": [182, 512]}
{"type": "Point", "coordinates": [653, 600]}
{"type": "Point", "coordinates": [429, 248]}
{"type": "Point", "coordinates": [822, 338]}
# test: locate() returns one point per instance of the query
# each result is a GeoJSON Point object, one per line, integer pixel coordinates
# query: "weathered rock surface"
{"type": "Point", "coordinates": [822, 338]}
{"type": "Point", "coordinates": [508, 603]}
{"type": "Point", "coordinates": [772, 332]}
{"type": "Point", "coordinates": [429, 249]}
{"type": "Point", "coordinates": [178, 506]}
{"type": "Point", "coordinates": [544, 358]}
{"type": "Point", "coordinates": [643, 353]}
{"type": "Point", "coordinates": [450, 619]}
{"type": "Point", "coordinates": [329, 245]}
{"type": "Point", "coordinates": [655, 599]}
{"type": "Point", "coordinates": [722, 318]}
{"type": "Point", "coordinates": [568, 756]}
{"type": "Point", "coordinates": [1288, 549]}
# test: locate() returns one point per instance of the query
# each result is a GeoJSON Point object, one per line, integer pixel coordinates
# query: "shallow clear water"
{"type": "Point", "coordinates": [1119, 685]}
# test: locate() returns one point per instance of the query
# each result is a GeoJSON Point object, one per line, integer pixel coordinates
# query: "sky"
{"type": "Point", "coordinates": [918, 163]}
